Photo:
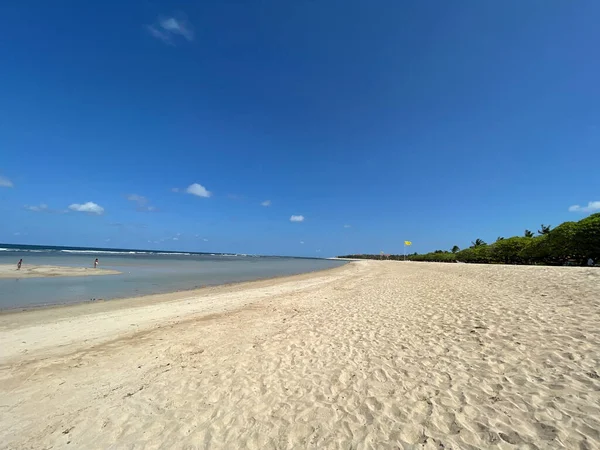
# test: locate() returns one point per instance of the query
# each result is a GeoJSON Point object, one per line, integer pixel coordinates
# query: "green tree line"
{"type": "Point", "coordinates": [570, 242]}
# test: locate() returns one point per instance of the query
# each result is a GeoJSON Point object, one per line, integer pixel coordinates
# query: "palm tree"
{"type": "Point", "coordinates": [545, 229]}
{"type": "Point", "coordinates": [500, 238]}
{"type": "Point", "coordinates": [455, 249]}
{"type": "Point", "coordinates": [528, 233]}
{"type": "Point", "coordinates": [478, 243]}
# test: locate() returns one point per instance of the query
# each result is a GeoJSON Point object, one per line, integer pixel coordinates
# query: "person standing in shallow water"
{"type": "Point", "coordinates": [19, 264]}
{"type": "Point", "coordinates": [96, 263]}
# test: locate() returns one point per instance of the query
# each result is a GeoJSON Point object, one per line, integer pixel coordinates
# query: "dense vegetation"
{"type": "Point", "coordinates": [570, 242]}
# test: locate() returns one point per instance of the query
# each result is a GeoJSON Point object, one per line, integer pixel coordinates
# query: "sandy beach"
{"type": "Point", "coordinates": [369, 355]}
{"type": "Point", "coordinates": [10, 271]}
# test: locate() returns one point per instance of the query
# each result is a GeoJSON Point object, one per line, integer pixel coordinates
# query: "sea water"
{"type": "Point", "coordinates": [143, 272]}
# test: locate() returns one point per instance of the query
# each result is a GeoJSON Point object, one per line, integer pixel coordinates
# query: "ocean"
{"type": "Point", "coordinates": [143, 272]}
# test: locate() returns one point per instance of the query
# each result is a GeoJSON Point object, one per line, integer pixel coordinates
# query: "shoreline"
{"type": "Point", "coordinates": [139, 298]}
{"type": "Point", "coordinates": [27, 336]}
{"type": "Point", "coordinates": [71, 310]}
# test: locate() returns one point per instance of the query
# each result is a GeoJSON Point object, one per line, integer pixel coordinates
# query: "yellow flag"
{"type": "Point", "coordinates": [407, 243]}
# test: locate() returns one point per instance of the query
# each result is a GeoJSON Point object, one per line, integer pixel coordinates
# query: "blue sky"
{"type": "Point", "coordinates": [374, 122]}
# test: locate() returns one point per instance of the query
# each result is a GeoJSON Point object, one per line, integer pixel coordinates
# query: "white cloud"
{"type": "Point", "coordinates": [175, 238]}
{"type": "Point", "coordinates": [266, 203]}
{"type": "Point", "coordinates": [37, 208]}
{"type": "Point", "coordinates": [198, 190]}
{"type": "Point", "coordinates": [591, 207]}
{"type": "Point", "coordinates": [169, 27]}
{"type": "Point", "coordinates": [5, 182]}
{"type": "Point", "coordinates": [89, 207]}
{"type": "Point", "coordinates": [205, 240]}
{"type": "Point", "coordinates": [347, 226]}
{"type": "Point", "coordinates": [297, 219]}
{"type": "Point", "coordinates": [302, 242]}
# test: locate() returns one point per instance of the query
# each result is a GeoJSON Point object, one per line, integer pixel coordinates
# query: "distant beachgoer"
{"type": "Point", "coordinates": [19, 264]}
{"type": "Point", "coordinates": [96, 263]}
{"type": "Point", "coordinates": [591, 262]}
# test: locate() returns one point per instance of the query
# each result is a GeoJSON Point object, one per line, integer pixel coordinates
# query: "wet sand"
{"type": "Point", "coordinates": [27, 271]}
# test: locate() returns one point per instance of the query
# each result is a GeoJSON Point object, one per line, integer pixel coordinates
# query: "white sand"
{"type": "Point", "coordinates": [28, 271]}
{"type": "Point", "coordinates": [371, 355]}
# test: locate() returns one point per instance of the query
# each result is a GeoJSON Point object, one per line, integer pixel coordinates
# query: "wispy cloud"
{"type": "Point", "coordinates": [198, 190]}
{"type": "Point", "coordinates": [347, 226]}
{"type": "Point", "coordinates": [178, 26]}
{"type": "Point", "coordinates": [297, 219]}
{"type": "Point", "coordinates": [591, 207]}
{"type": "Point", "coordinates": [137, 198]}
{"type": "Point", "coordinates": [141, 203]}
{"type": "Point", "coordinates": [5, 182]}
{"type": "Point", "coordinates": [128, 226]}
{"type": "Point", "coordinates": [160, 35]}
{"type": "Point", "coordinates": [174, 189]}
{"type": "Point", "coordinates": [167, 28]}
{"type": "Point", "coordinates": [88, 207]}
{"type": "Point", "coordinates": [37, 208]}
{"type": "Point", "coordinates": [43, 208]}
{"type": "Point", "coordinates": [302, 242]}
{"type": "Point", "coordinates": [266, 203]}
{"type": "Point", "coordinates": [175, 237]}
